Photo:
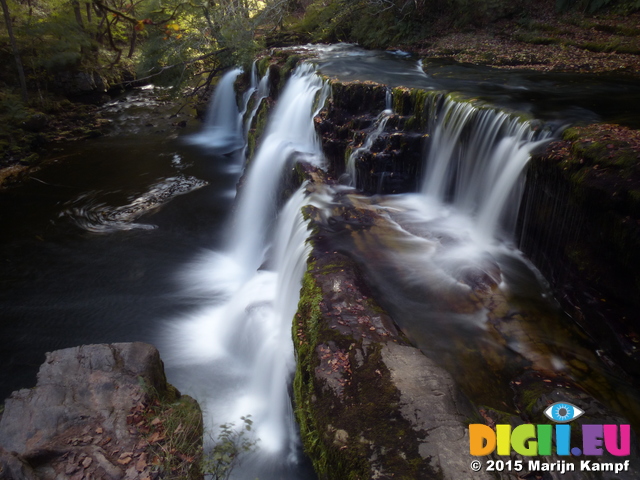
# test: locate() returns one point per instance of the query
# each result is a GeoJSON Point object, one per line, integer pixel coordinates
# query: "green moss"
{"type": "Point", "coordinates": [337, 431]}
{"type": "Point", "coordinates": [529, 396]}
{"type": "Point", "coordinates": [31, 159]}
{"type": "Point", "coordinates": [571, 134]}
{"type": "Point", "coordinates": [177, 419]}
{"type": "Point", "coordinates": [412, 102]}
{"type": "Point", "coordinates": [419, 100]}
{"type": "Point", "coordinates": [399, 99]}
{"type": "Point", "coordinates": [305, 334]}
{"type": "Point", "coordinates": [618, 45]}
{"type": "Point", "coordinates": [580, 258]}
{"type": "Point", "coordinates": [535, 39]}
{"type": "Point", "coordinates": [545, 27]}
{"type": "Point", "coordinates": [257, 128]}
{"type": "Point", "coordinates": [263, 65]}
{"type": "Point", "coordinates": [289, 65]}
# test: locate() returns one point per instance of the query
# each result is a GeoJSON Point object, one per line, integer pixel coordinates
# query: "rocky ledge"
{"type": "Point", "coordinates": [101, 411]}
{"type": "Point", "coordinates": [581, 227]}
{"type": "Point", "coordinates": [372, 405]}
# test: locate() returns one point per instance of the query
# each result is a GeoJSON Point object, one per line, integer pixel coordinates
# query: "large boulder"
{"type": "Point", "coordinates": [96, 412]}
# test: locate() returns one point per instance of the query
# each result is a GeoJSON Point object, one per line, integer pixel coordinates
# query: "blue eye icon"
{"type": "Point", "coordinates": [562, 412]}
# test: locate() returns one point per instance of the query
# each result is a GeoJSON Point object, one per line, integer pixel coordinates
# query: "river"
{"type": "Point", "coordinates": [137, 236]}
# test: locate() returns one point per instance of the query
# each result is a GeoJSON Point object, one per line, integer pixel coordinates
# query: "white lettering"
{"type": "Point", "coordinates": [589, 466]}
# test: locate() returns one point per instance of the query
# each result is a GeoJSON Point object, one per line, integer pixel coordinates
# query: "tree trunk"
{"type": "Point", "coordinates": [78, 13]}
{"type": "Point", "coordinates": [16, 53]}
{"type": "Point", "coordinates": [132, 44]}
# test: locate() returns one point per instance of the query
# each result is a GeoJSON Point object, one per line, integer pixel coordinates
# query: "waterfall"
{"type": "Point", "coordinates": [243, 339]}
{"type": "Point", "coordinates": [222, 130]}
{"type": "Point", "coordinates": [263, 337]}
{"type": "Point", "coordinates": [290, 135]}
{"type": "Point", "coordinates": [262, 91]}
{"type": "Point", "coordinates": [267, 397]}
{"type": "Point", "coordinates": [378, 127]}
{"type": "Point", "coordinates": [475, 159]}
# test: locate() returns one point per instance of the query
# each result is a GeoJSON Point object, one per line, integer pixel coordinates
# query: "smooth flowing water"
{"type": "Point", "coordinates": [378, 127]}
{"type": "Point", "coordinates": [479, 174]}
{"type": "Point", "coordinates": [131, 237]}
{"type": "Point", "coordinates": [244, 337]}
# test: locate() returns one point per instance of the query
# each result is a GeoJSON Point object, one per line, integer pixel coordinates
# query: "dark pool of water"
{"type": "Point", "coordinates": [61, 285]}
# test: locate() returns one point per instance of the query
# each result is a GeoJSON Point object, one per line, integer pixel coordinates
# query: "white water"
{"type": "Point", "coordinates": [475, 160]}
{"type": "Point", "coordinates": [222, 126]}
{"type": "Point", "coordinates": [262, 91]}
{"type": "Point", "coordinates": [223, 129]}
{"type": "Point", "coordinates": [378, 127]}
{"type": "Point", "coordinates": [290, 135]}
{"type": "Point", "coordinates": [243, 339]}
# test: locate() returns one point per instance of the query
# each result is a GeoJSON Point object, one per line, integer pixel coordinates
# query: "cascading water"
{"type": "Point", "coordinates": [378, 127]}
{"type": "Point", "coordinates": [244, 337]}
{"type": "Point", "coordinates": [222, 132]}
{"type": "Point", "coordinates": [290, 135]}
{"type": "Point", "coordinates": [475, 158]}
{"type": "Point", "coordinates": [261, 91]}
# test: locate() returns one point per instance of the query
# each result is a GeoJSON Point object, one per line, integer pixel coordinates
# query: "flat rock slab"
{"type": "Point", "coordinates": [77, 422]}
{"type": "Point", "coordinates": [431, 400]}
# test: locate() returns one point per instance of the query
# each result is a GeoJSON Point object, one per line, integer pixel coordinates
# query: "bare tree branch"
{"type": "Point", "coordinates": [169, 67]}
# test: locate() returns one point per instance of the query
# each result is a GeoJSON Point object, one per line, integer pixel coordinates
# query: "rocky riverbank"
{"type": "Point", "coordinates": [545, 41]}
{"type": "Point", "coordinates": [30, 137]}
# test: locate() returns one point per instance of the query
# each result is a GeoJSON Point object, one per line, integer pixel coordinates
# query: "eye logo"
{"type": "Point", "coordinates": [563, 412]}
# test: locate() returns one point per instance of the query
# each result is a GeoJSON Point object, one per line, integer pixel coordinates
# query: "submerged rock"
{"type": "Point", "coordinates": [90, 416]}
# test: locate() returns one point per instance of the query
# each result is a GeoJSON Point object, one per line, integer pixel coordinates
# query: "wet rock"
{"type": "Point", "coordinates": [78, 419]}
{"type": "Point", "coordinates": [393, 163]}
{"type": "Point", "coordinates": [581, 227]}
{"type": "Point", "coordinates": [13, 467]}
{"type": "Point", "coordinates": [432, 401]}
{"type": "Point", "coordinates": [100, 218]}
{"type": "Point", "coordinates": [370, 405]}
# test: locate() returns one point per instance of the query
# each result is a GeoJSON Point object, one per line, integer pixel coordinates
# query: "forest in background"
{"type": "Point", "coordinates": [55, 51]}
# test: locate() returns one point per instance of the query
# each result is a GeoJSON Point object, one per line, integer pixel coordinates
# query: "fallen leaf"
{"type": "Point", "coordinates": [141, 464]}
{"type": "Point", "coordinates": [156, 437]}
